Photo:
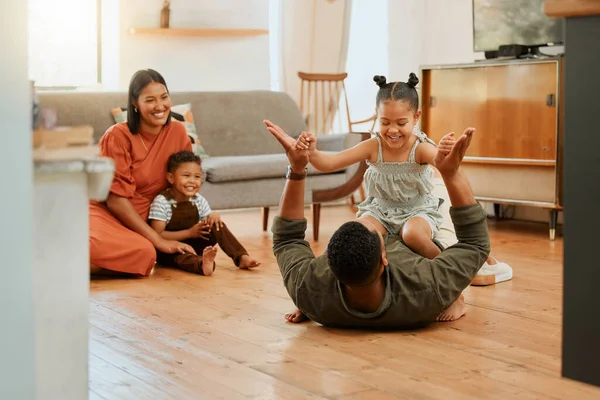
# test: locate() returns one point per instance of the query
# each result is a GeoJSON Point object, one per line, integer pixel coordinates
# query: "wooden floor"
{"type": "Point", "coordinates": [180, 336]}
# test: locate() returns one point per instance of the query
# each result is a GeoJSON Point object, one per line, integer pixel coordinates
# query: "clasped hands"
{"type": "Point", "coordinates": [296, 150]}
{"type": "Point", "coordinates": [202, 229]}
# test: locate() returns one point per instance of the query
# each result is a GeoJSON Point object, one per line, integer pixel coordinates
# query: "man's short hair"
{"type": "Point", "coordinates": [354, 253]}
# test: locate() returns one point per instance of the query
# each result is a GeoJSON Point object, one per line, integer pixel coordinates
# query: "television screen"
{"type": "Point", "coordinates": [501, 22]}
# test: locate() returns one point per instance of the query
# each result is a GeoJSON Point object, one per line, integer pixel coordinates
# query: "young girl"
{"type": "Point", "coordinates": [181, 213]}
{"type": "Point", "coordinates": [399, 179]}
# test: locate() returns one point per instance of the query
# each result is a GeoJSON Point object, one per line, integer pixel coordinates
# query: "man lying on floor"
{"type": "Point", "coordinates": [366, 280]}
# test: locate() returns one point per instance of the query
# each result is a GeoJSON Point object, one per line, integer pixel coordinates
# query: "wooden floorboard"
{"type": "Point", "coordinates": [180, 336]}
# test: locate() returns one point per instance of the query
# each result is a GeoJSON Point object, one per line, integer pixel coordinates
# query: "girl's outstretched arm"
{"type": "Point", "coordinates": [325, 162]}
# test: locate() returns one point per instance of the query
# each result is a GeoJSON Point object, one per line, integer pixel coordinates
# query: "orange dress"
{"type": "Point", "coordinates": [139, 176]}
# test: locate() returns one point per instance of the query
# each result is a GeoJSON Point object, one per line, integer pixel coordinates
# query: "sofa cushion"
{"type": "Point", "coordinates": [241, 168]}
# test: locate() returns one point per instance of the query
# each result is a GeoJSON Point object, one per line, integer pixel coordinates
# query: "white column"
{"type": "Point", "coordinates": [407, 27]}
{"type": "Point", "coordinates": [61, 280]}
{"type": "Point", "coordinates": [17, 362]}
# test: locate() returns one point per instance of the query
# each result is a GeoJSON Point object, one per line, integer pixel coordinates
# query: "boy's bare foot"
{"type": "Point", "coordinates": [246, 262]}
{"type": "Point", "coordinates": [208, 260]}
{"type": "Point", "coordinates": [454, 312]}
{"type": "Point", "coordinates": [296, 317]}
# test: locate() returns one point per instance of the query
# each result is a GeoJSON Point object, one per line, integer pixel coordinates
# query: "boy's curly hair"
{"type": "Point", "coordinates": [182, 157]}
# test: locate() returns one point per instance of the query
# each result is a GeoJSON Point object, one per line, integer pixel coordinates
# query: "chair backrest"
{"type": "Point", "coordinates": [320, 96]}
{"type": "Point", "coordinates": [320, 99]}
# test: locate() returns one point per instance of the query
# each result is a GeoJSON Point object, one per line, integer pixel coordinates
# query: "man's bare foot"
{"type": "Point", "coordinates": [454, 312]}
{"type": "Point", "coordinates": [208, 260]}
{"type": "Point", "coordinates": [296, 317]}
{"type": "Point", "coordinates": [246, 262]}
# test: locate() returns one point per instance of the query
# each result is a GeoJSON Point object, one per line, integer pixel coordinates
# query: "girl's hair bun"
{"type": "Point", "coordinates": [412, 80]}
{"type": "Point", "coordinates": [380, 80]}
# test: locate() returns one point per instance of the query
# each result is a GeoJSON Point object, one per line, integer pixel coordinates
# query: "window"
{"type": "Point", "coordinates": [64, 42]}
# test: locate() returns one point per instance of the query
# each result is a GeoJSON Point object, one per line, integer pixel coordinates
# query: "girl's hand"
{"type": "Point", "coordinates": [446, 143]}
{"type": "Point", "coordinates": [449, 164]}
{"type": "Point", "coordinates": [214, 219]}
{"type": "Point", "coordinates": [309, 140]}
{"type": "Point", "coordinates": [172, 246]}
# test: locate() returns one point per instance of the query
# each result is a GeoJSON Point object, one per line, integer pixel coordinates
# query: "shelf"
{"type": "Point", "coordinates": [508, 161]}
{"type": "Point", "coordinates": [197, 32]}
{"type": "Point", "coordinates": [539, 204]}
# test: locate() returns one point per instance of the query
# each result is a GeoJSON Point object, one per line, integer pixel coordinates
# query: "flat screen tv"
{"type": "Point", "coordinates": [505, 22]}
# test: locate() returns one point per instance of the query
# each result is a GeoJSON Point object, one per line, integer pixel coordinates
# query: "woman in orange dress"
{"type": "Point", "coordinates": [120, 238]}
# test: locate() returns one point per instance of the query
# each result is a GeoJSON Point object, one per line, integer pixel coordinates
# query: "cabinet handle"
{"type": "Point", "coordinates": [550, 100]}
{"type": "Point", "coordinates": [432, 101]}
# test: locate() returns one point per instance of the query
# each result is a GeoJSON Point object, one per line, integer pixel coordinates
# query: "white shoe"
{"type": "Point", "coordinates": [492, 274]}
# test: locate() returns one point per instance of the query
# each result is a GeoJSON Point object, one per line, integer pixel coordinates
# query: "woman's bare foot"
{"type": "Point", "coordinates": [246, 262]}
{"type": "Point", "coordinates": [296, 317]}
{"type": "Point", "coordinates": [97, 272]}
{"type": "Point", "coordinates": [208, 260]}
{"type": "Point", "coordinates": [94, 269]}
{"type": "Point", "coordinates": [454, 312]}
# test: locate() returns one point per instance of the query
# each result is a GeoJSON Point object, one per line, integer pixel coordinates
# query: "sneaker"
{"type": "Point", "coordinates": [492, 274]}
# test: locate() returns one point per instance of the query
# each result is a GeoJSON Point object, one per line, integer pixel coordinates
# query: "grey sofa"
{"type": "Point", "coordinates": [246, 165]}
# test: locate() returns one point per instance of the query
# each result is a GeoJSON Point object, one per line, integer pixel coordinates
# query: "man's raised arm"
{"type": "Point", "coordinates": [456, 266]}
{"type": "Point", "coordinates": [292, 251]}
{"type": "Point", "coordinates": [291, 205]}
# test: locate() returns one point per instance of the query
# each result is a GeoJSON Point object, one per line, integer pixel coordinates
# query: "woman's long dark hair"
{"type": "Point", "coordinates": [138, 82]}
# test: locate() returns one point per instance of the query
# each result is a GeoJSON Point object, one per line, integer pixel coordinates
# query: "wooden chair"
{"type": "Point", "coordinates": [320, 99]}
{"type": "Point", "coordinates": [320, 96]}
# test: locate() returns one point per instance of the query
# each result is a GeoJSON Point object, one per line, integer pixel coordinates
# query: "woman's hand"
{"type": "Point", "coordinates": [172, 246]}
{"type": "Point", "coordinates": [200, 230]}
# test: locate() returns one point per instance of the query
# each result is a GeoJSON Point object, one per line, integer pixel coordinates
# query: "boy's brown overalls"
{"type": "Point", "coordinates": [185, 215]}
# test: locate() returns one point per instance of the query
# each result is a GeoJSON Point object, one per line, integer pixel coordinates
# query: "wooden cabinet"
{"type": "Point", "coordinates": [515, 156]}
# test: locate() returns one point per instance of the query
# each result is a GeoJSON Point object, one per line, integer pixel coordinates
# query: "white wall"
{"type": "Point", "coordinates": [367, 57]}
{"type": "Point", "coordinates": [423, 32]}
{"type": "Point", "coordinates": [406, 39]}
{"type": "Point", "coordinates": [197, 63]}
{"type": "Point", "coordinates": [17, 369]}
{"type": "Point", "coordinates": [448, 31]}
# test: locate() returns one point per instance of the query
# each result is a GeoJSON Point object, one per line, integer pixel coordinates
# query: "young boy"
{"type": "Point", "coordinates": [181, 213]}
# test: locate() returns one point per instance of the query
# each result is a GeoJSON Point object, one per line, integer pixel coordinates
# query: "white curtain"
{"type": "Point", "coordinates": [314, 38]}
